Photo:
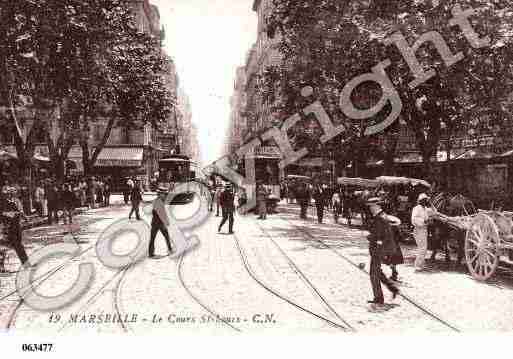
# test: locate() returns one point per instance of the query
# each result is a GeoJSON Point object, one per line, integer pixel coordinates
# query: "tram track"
{"type": "Point", "coordinates": [260, 282]}
{"type": "Point", "coordinates": [409, 299]}
{"type": "Point", "coordinates": [92, 299]}
{"type": "Point", "coordinates": [118, 303]}
{"type": "Point", "coordinates": [306, 280]}
{"type": "Point", "coordinates": [197, 300]}
{"type": "Point", "coordinates": [44, 277]}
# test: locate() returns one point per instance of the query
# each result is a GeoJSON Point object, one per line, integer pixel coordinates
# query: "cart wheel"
{"type": "Point", "coordinates": [482, 247]}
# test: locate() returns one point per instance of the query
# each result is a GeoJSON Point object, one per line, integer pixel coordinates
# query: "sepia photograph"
{"type": "Point", "coordinates": [264, 167]}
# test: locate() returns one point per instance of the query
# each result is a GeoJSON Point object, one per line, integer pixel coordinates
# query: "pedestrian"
{"type": "Point", "coordinates": [336, 201]}
{"type": "Point", "coordinates": [347, 202]}
{"type": "Point", "coordinates": [39, 196]}
{"type": "Point", "coordinates": [226, 199]}
{"type": "Point", "coordinates": [212, 191]}
{"type": "Point", "coordinates": [262, 195]}
{"type": "Point", "coordinates": [159, 221]}
{"type": "Point", "coordinates": [319, 198]}
{"type": "Point", "coordinates": [99, 193]}
{"type": "Point", "coordinates": [135, 198]}
{"type": "Point", "coordinates": [243, 199]}
{"type": "Point", "coordinates": [302, 195]}
{"type": "Point", "coordinates": [395, 258]}
{"type": "Point", "coordinates": [127, 189]}
{"type": "Point", "coordinates": [67, 199]}
{"type": "Point", "coordinates": [52, 198]}
{"type": "Point", "coordinates": [90, 193]}
{"type": "Point", "coordinates": [83, 192]}
{"type": "Point", "coordinates": [106, 193]}
{"type": "Point", "coordinates": [24, 196]}
{"type": "Point", "coordinates": [217, 199]}
{"type": "Point", "coordinates": [327, 193]}
{"type": "Point", "coordinates": [380, 245]}
{"type": "Point", "coordinates": [11, 215]}
{"type": "Point", "coordinates": [290, 192]}
{"type": "Point", "coordinates": [420, 220]}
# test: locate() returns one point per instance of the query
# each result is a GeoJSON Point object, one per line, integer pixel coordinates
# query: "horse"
{"type": "Point", "coordinates": [453, 205]}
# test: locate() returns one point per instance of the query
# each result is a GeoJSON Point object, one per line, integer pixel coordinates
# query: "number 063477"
{"type": "Point", "coordinates": [37, 347]}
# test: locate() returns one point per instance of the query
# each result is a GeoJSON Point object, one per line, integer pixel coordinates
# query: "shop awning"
{"type": "Point", "coordinates": [357, 181]}
{"type": "Point", "coordinates": [476, 154]}
{"type": "Point", "coordinates": [120, 157]}
{"type": "Point", "coordinates": [413, 157]}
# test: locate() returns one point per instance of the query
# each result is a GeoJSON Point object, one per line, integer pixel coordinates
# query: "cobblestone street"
{"type": "Point", "coordinates": [278, 275]}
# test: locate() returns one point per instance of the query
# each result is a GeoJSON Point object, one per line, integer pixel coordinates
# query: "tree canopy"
{"type": "Point", "coordinates": [76, 64]}
{"type": "Point", "coordinates": [325, 44]}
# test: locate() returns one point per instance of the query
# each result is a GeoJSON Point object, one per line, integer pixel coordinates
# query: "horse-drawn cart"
{"type": "Point", "coordinates": [488, 234]}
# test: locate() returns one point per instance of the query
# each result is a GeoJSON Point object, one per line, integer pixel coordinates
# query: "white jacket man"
{"type": "Point", "coordinates": [420, 218]}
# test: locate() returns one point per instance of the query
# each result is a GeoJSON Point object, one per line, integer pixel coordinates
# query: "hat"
{"type": "Point", "coordinates": [422, 196]}
{"type": "Point", "coordinates": [375, 209]}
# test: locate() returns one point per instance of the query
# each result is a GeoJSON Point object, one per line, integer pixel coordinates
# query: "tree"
{"type": "Point", "coordinates": [17, 77]}
{"type": "Point", "coordinates": [327, 43]}
{"type": "Point", "coordinates": [79, 64]}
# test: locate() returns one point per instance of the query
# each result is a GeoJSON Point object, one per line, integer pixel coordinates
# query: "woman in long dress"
{"type": "Point", "coordinates": [397, 257]}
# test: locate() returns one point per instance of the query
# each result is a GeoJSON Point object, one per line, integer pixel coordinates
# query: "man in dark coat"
{"type": "Point", "coordinates": [11, 215]}
{"type": "Point", "coordinates": [135, 198]}
{"type": "Point", "coordinates": [228, 208]}
{"type": "Point", "coordinates": [52, 197]}
{"type": "Point", "coordinates": [320, 201]}
{"type": "Point", "coordinates": [67, 200]}
{"type": "Point", "coordinates": [302, 195]}
{"type": "Point", "coordinates": [159, 222]}
{"type": "Point", "coordinates": [381, 244]}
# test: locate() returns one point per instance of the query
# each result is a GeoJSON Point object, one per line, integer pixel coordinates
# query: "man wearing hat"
{"type": "Point", "coordinates": [11, 215]}
{"type": "Point", "coordinates": [420, 220]}
{"type": "Point", "coordinates": [227, 199]}
{"type": "Point", "coordinates": [159, 221]}
{"type": "Point", "coordinates": [381, 244]}
{"type": "Point", "coordinates": [136, 199]}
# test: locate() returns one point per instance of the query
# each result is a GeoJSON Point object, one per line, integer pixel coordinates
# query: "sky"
{"type": "Point", "coordinates": [208, 40]}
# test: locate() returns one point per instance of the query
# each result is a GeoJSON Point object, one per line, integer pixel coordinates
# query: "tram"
{"type": "Point", "coordinates": [175, 170]}
{"type": "Point", "coordinates": [267, 172]}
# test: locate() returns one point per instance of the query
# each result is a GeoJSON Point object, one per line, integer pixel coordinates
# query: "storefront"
{"type": "Point", "coordinates": [120, 162]}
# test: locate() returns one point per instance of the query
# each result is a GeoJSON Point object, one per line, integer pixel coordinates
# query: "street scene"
{"type": "Point", "coordinates": [292, 167]}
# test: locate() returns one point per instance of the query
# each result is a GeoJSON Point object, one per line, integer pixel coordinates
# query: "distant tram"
{"type": "Point", "coordinates": [267, 172]}
{"type": "Point", "coordinates": [175, 170]}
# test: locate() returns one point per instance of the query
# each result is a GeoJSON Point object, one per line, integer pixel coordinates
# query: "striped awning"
{"type": "Point", "coordinates": [357, 181]}
{"type": "Point", "coordinates": [120, 157]}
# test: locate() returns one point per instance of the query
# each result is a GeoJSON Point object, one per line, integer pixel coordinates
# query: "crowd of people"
{"type": "Point", "coordinates": [382, 211]}
{"type": "Point", "coordinates": [58, 199]}
{"type": "Point", "coordinates": [346, 201]}
{"type": "Point", "coordinates": [51, 199]}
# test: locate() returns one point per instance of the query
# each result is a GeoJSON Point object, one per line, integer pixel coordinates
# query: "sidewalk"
{"type": "Point", "coordinates": [86, 226]}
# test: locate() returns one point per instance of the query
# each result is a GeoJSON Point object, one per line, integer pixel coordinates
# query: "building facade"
{"type": "Point", "coordinates": [128, 151]}
{"type": "Point", "coordinates": [238, 126]}
{"type": "Point", "coordinates": [264, 53]}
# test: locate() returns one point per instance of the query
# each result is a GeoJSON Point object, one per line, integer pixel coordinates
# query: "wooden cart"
{"type": "Point", "coordinates": [488, 238]}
